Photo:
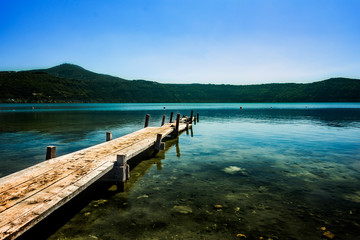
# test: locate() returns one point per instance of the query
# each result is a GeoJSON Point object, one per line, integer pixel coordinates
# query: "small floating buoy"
{"type": "Point", "coordinates": [240, 108]}
{"type": "Point", "coordinates": [164, 108]}
{"type": "Point", "coordinates": [32, 108]}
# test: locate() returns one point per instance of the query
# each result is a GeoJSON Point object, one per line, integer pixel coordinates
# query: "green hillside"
{"type": "Point", "coordinates": [71, 71]}
{"type": "Point", "coordinates": [71, 83]}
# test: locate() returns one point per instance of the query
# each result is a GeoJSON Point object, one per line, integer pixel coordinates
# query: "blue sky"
{"type": "Point", "coordinates": [186, 41]}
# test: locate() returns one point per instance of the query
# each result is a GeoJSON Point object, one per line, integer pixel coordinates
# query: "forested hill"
{"type": "Point", "coordinates": [71, 83]}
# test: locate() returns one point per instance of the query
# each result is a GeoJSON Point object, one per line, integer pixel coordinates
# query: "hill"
{"type": "Point", "coordinates": [71, 71]}
{"type": "Point", "coordinates": [71, 83]}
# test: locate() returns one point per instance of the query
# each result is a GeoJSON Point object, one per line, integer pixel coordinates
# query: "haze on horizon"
{"type": "Point", "coordinates": [212, 41]}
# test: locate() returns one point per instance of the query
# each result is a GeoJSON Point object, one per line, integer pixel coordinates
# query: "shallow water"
{"type": "Point", "coordinates": [276, 172]}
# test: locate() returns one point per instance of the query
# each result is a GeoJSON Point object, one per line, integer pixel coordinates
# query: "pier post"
{"type": "Point", "coordinates": [121, 169]}
{"type": "Point", "coordinates": [163, 120]}
{"type": "Point", "coordinates": [177, 124]}
{"type": "Point", "coordinates": [197, 117]}
{"type": "Point", "coordinates": [147, 119]}
{"type": "Point", "coordinates": [171, 116]}
{"type": "Point", "coordinates": [187, 128]}
{"type": "Point", "coordinates": [158, 144]}
{"type": "Point", "coordinates": [108, 136]}
{"type": "Point", "coordinates": [191, 116]}
{"type": "Point", "coordinates": [50, 152]}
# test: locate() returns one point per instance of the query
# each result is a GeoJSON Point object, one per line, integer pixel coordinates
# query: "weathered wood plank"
{"type": "Point", "coordinates": [28, 196]}
{"type": "Point", "coordinates": [41, 168]}
{"type": "Point", "coordinates": [33, 184]}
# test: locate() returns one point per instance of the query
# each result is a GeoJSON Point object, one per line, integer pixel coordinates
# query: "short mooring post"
{"type": "Point", "coordinates": [197, 117]}
{"type": "Point", "coordinates": [191, 116]}
{"type": "Point", "coordinates": [147, 119]}
{"type": "Point", "coordinates": [187, 128]}
{"type": "Point", "coordinates": [163, 120]}
{"type": "Point", "coordinates": [158, 144]}
{"type": "Point", "coordinates": [171, 116]}
{"type": "Point", "coordinates": [50, 152]}
{"type": "Point", "coordinates": [121, 169]}
{"type": "Point", "coordinates": [177, 124]}
{"type": "Point", "coordinates": [108, 136]}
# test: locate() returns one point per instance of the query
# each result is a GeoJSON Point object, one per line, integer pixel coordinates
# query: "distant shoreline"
{"type": "Point", "coordinates": [69, 83]}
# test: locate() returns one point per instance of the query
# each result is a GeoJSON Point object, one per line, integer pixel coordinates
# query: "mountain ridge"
{"type": "Point", "coordinates": [72, 71]}
{"type": "Point", "coordinates": [72, 83]}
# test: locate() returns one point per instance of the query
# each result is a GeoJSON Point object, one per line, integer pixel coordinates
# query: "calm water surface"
{"type": "Point", "coordinates": [268, 171]}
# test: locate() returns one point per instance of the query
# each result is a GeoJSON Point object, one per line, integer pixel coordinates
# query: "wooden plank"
{"type": "Point", "coordinates": [20, 191]}
{"type": "Point", "coordinates": [13, 192]}
{"type": "Point", "coordinates": [46, 202]}
{"type": "Point", "coordinates": [28, 196]}
{"type": "Point", "coordinates": [41, 168]}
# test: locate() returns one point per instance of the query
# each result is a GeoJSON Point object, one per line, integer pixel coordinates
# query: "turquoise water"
{"type": "Point", "coordinates": [31, 107]}
{"type": "Point", "coordinates": [270, 171]}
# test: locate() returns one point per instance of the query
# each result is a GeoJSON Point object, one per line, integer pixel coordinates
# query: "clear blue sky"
{"type": "Point", "coordinates": [209, 41]}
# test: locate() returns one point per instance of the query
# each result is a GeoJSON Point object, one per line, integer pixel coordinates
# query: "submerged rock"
{"type": "Point", "coordinates": [113, 188]}
{"type": "Point", "coordinates": [182, 209]}
{"type": "Point", "coordinates": [100, 201]}
{"type": "Point", "coordinates": [262, 189]}
{"type": "Point", "coordinates": [240, 235]}
{"type": "Point", "coordinates": [329, 235]}
{"type": "Point", "coordinates": [143, 196]}
{"type": "Point", "coordinates": [234, 170]}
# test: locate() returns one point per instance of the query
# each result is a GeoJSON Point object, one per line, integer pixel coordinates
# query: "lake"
{"type": "Point", "coordinates": [266, 171]}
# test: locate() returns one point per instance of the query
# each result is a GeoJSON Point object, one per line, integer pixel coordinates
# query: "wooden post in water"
{"type": "Point", "coordinates": [147, 119]}
{"type": "Point", "coordinates": [197, 117]}
{"type": "Point", "coordinates": [187, 128]}
{"type": "Point", "coordinates": [163, 120]}
{"type": "Point", "coordinates": [50, 152]}
{"type": "Point", "coordinates": [108, 136]}
{"type": "Point", "coordinates": [177, 124]}
{"type": "Point", "coordinates": [191, 116]}
{"type": "Point", "coordinates": [158, 144]}
{"type": "Point", "coordinates": [171, 116]}
{"type": "Point", "coordinates": [121, 169]}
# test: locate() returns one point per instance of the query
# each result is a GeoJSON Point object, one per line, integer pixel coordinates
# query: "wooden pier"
{"type": "Point", "coordinates": [30, 195]}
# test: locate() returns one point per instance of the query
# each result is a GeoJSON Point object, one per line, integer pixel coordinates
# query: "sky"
{"type": "Point", "coordinates": [186, 41]}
